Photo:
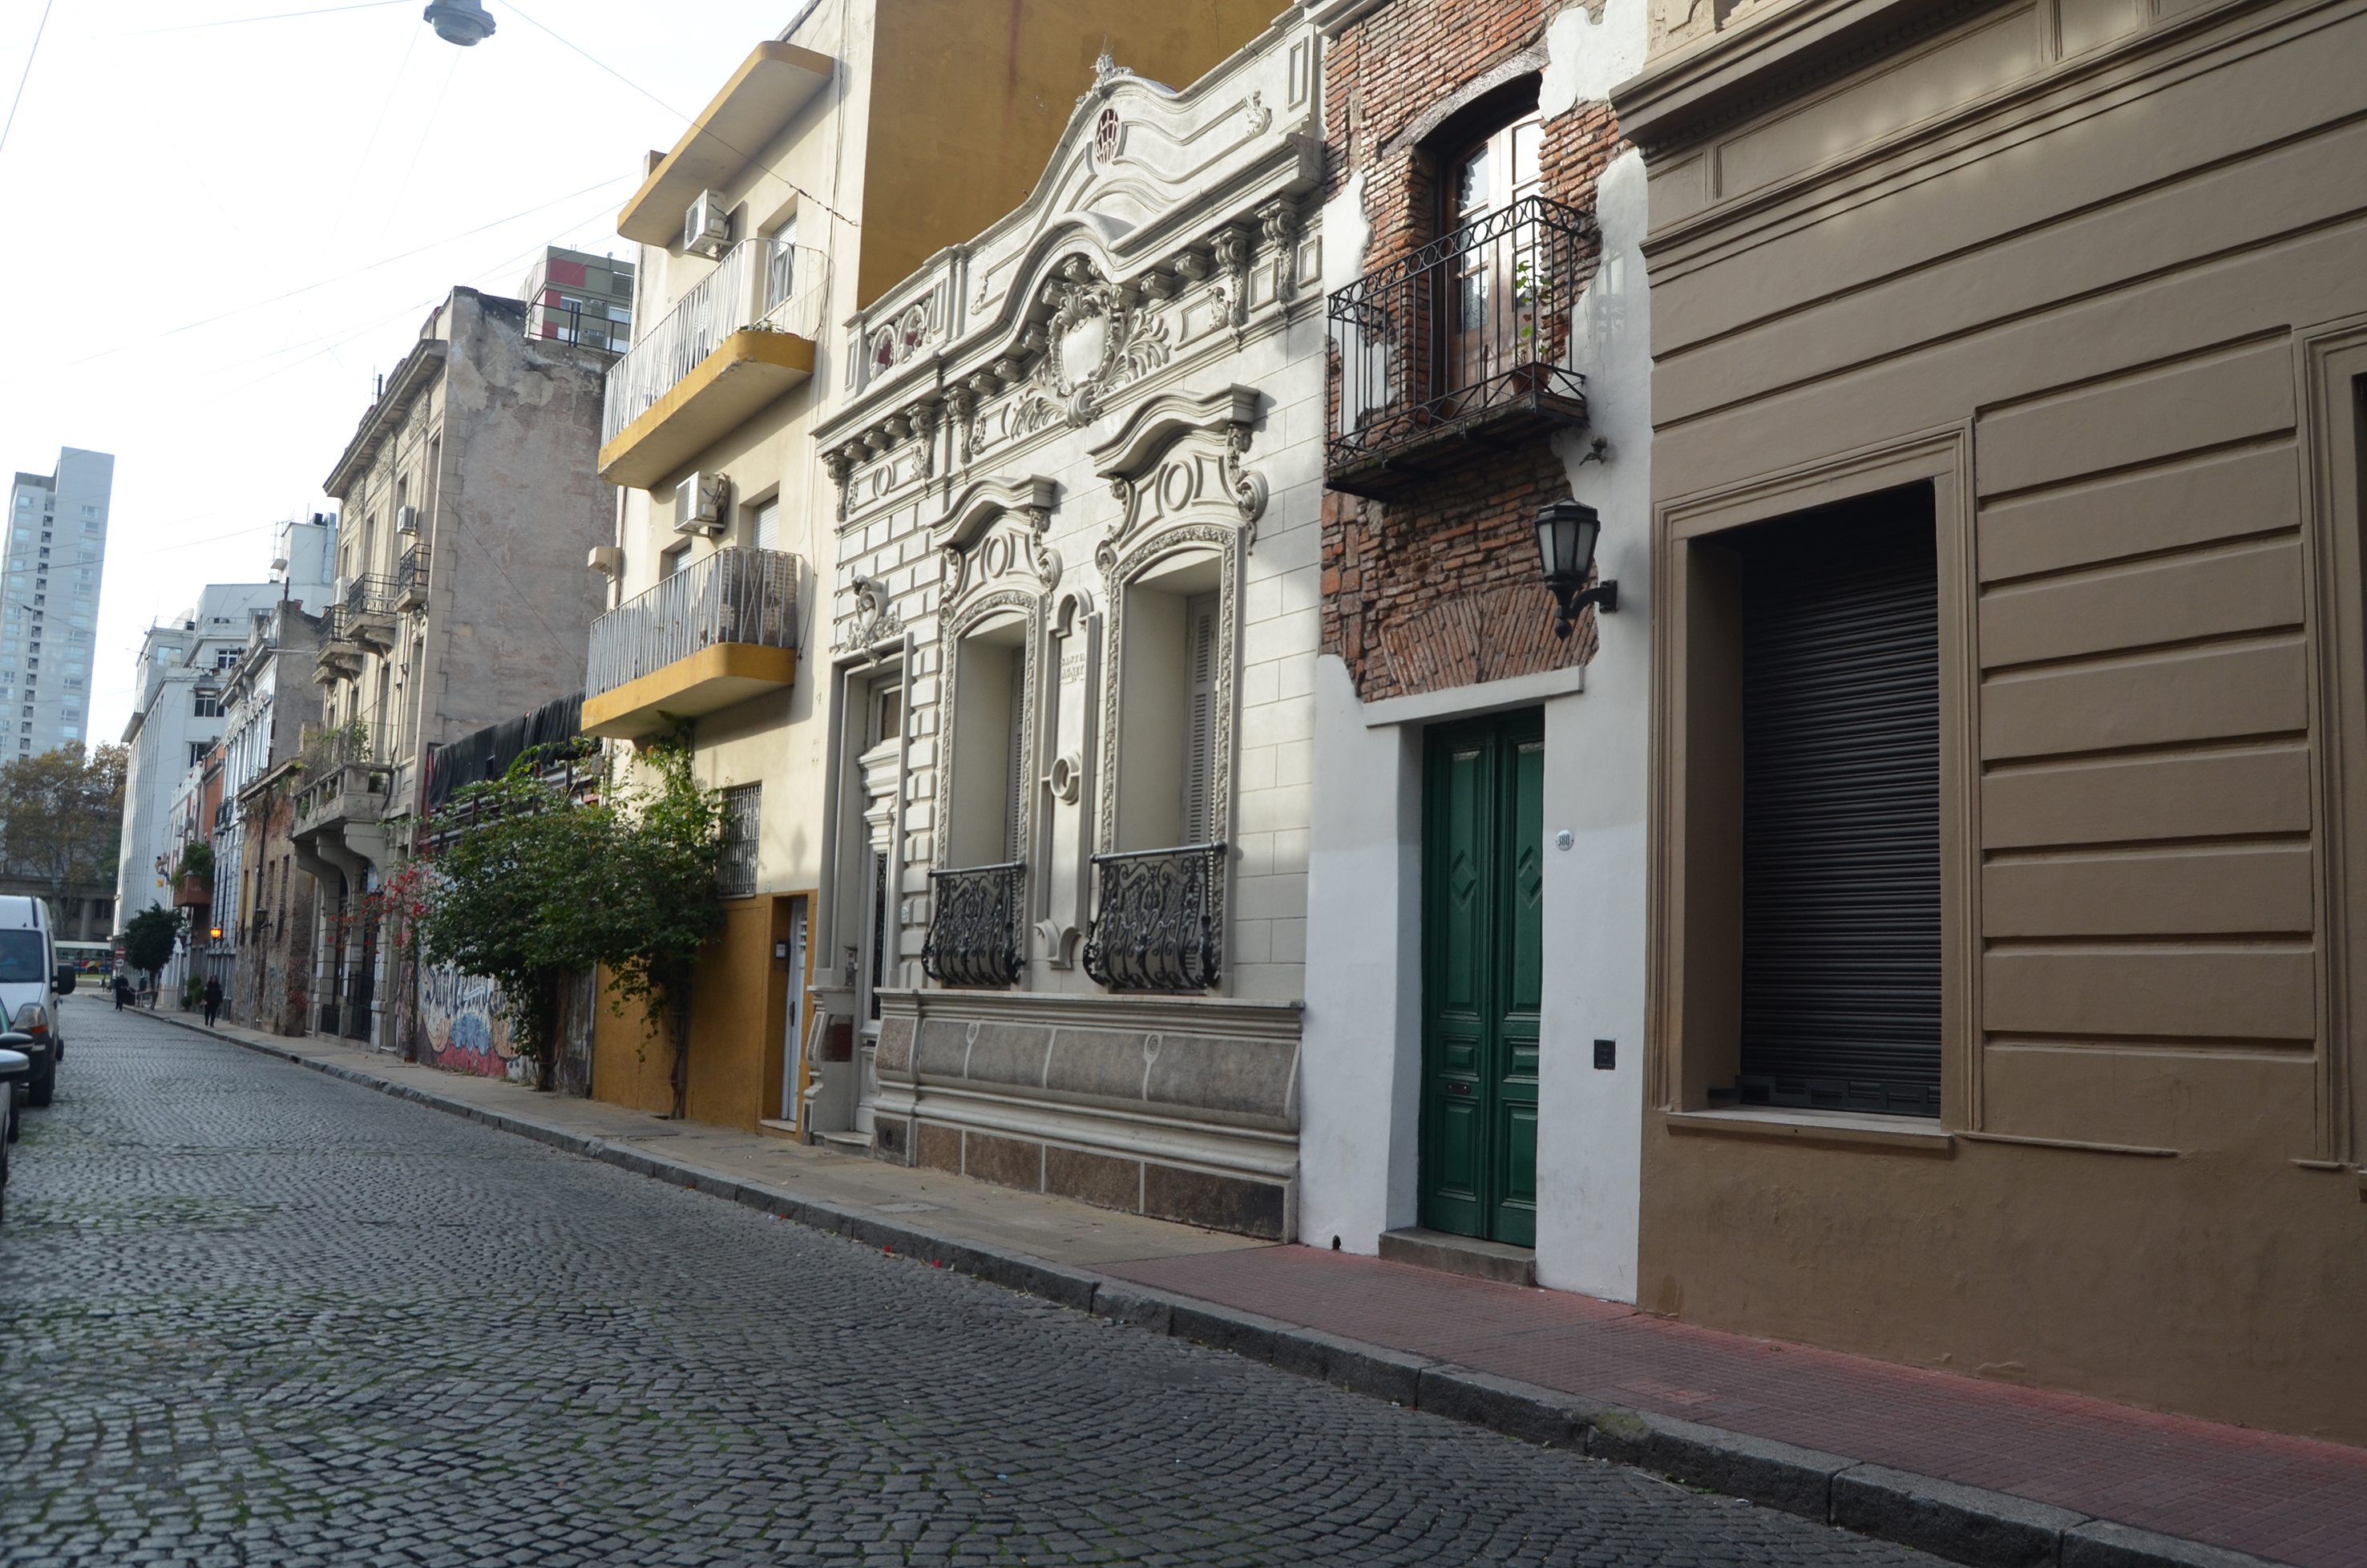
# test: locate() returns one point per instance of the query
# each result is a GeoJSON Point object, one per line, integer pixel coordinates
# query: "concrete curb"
{"type": "Point", "coordinates": [1957, 1523]}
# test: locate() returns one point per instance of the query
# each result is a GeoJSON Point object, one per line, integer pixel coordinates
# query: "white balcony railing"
{"type": "Point", "coordinates": [767, 284]}
{"type": "Point", "coordinates": [733, 595]}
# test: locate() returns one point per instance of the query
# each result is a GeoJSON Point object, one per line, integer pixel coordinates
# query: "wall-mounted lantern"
{"type": "Point", "coordinates": [1566, 532]}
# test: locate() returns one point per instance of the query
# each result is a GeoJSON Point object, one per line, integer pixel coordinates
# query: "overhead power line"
{"type": "Point", "coordinates": [38, 31]}
{"type": "Point", "coordinates": [275, 16]}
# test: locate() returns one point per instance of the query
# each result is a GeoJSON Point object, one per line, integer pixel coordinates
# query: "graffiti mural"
{"type": "Point", "coordinates": [461, 1029]}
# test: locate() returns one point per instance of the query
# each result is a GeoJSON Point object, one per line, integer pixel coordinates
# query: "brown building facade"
{"type": "Point", "coordinates": [2007, 721]}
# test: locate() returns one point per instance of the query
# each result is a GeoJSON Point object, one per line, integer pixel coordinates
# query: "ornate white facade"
{"type": "Point", "coordinates": [1075, 621]}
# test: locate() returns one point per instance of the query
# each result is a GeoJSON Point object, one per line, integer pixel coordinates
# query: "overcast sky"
{"type": "Point", "coordinates": [217, 236]}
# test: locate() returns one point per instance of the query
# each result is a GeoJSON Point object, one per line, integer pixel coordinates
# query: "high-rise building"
{"type": "Point", "coordinates": [57, 549]}
{"type": "Point", "coordinates": [580, 298]}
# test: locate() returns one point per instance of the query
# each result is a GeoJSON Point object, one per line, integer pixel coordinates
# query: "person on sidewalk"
{"type": "Point", "coordinates": [122, 992]}
{"type": "Point", "coordinates": [213, 1001]}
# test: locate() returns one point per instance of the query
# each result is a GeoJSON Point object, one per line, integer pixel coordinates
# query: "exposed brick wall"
{"type": "Point", "coordinates": [1439, 587]}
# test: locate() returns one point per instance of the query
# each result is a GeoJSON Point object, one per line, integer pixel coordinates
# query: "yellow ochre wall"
{"type": "Point", "coordinates": [738, 1004]}
{"type": "Point", "coordinates": [986, 88]}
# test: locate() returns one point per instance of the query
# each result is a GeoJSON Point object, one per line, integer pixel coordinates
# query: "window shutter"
{"type": "Point", "coordinates": [768, 525]}
{"type": "Point", "coordinates": [1840, 902]}
{"type": "Point", "coordinates": [1017, 783]}
{"type": "Point", "coordinates": [1200, 715]}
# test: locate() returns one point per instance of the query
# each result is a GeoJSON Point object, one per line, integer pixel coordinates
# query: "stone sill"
{"type": "Point", "coordinates": [1912, 1134]}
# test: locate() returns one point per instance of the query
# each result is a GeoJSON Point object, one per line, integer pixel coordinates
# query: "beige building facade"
{"type": "Point", "coordinates": [2007, 884]}
{"type": "Point", "coordinates": [470, 499]}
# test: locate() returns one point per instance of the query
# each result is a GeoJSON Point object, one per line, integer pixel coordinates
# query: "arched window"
{"type": "Point", "coordinates": [1491, 291]}
{"type": "Point", "coordinates": [1167, 705]}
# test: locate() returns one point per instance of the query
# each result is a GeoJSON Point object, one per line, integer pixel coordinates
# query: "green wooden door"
{"type": "Point", "coordinates": [1483, 876]}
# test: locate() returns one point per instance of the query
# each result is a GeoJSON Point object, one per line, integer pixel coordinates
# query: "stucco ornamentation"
{"type": "Point", "coordinates": [1230, 246]}
{"type": "Point", "coordinates": [1102, 336]}
{"type": "Point", "coordinates": [875, 620]}
{"type": "Point", "coordinates": [1278, 224]}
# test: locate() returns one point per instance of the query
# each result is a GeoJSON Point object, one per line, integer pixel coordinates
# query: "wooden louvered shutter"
{"type": "Point", "coordinates": [1200, 717]}
{"type": "Point", "coordinates": [1016, 786]}
{"type": "Point", "coordinates": [1840, 907]}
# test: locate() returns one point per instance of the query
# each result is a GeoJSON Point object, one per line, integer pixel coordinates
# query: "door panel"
{"type": "Point", "coordinates": [1483, 962]}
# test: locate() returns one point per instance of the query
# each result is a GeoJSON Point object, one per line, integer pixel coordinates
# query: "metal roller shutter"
{"type": "Point", "coordinates": [1840, 907]}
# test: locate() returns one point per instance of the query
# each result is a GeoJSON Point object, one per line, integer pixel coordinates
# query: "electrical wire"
{"type": "Point", "coordinates": [427, 129]}
{"type": "Point", "coordinates": [28, 76]}
{"type": "Point", "coordinates": [275, 16]}
{"type": "Point", "coordinates": [342, 276]}
{"type": "Point", "coordinates": [707, 131]}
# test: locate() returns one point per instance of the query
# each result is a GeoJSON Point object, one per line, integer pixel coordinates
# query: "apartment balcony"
{"type": "Point", "coordinates": [741, 338]}
{"type": "Point", "coordinates": [974, 927]}
{"type": "Point", "coordinates": [720, 632]}
{"type": "Point", "coordinates": [340, 658]}
{"type": "Point", "coordinates": [1464, 346]}
{"type": "Point", "coordinates": [367, 615]}
{"type": "Point", "coordinates": [411, 581]}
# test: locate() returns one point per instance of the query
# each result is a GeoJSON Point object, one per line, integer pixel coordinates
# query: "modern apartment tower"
{"type": "Point", "coordinates": [57, 549]}
{"type": "Point", "coordinates": [577, 297]}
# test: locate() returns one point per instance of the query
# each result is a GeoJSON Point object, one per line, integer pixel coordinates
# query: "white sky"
{"type": "Point", "coordinates": [272, 175]}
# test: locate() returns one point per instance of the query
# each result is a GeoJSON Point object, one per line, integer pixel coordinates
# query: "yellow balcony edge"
{"type": "Point", "coordinates": [748, 347]}
{"type": "Point", "coordinates": [734, 672]}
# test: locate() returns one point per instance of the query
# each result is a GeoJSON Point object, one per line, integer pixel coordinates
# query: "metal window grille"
{"type": "Point", "coordinates": [974, 927]}
{"type": "Point", "coordinates": [1158, 919]}
{"type": "Point", "coordinates": [737, 878]}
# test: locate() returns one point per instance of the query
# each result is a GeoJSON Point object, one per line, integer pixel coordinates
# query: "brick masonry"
{"type": "Point", "coordinates": [1439, 587]}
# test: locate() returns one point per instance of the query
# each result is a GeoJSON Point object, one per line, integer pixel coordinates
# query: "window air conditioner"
{"type": "Point", "coordinates": [699, 503]}
{"type": "Point", "coordinates": [406, 519]}
{"type": "Point", "coordinates": [706, 227]}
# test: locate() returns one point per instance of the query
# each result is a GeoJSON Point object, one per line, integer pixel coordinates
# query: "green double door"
{"type": "Point", "coordinates": [1483, 886]}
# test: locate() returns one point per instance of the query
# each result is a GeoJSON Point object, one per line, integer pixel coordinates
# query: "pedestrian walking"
{"type": "Point", "coordinates": [122, 992]}
{"type": "Point", "coordinates": [213, 1001]}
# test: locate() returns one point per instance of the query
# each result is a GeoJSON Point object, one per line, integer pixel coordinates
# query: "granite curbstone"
{"type": "Point", "coordinates": [2099, 1543]}
{"type": "Point", "coordinates": [1245, 1333]}
{"type": "Point", "coordinates": [1775, 1474]}
{"type": "Point", "coordinates": [1523, 1410]}
{"type": "Point", "coordinates": [1372, 1371]}
{"type": "Point", "coordinates": [1135, 1306]}
{"type": "Point", "coordinates": [1962, 1524]}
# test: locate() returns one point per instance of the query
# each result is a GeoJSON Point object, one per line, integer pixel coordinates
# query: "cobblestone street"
{"type": "Point", "coordinates": [257, 1315]}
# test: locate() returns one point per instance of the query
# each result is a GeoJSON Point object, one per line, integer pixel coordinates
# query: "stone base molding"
{"type": "Point", "coordinates": [1181, 1108]}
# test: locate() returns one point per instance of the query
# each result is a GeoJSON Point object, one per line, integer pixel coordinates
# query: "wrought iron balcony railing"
{"type": "Point", "coordinates": [974, 927]}
{"type": "Point", "coordinates": [411, 572]}
{"type": "Point", "coordinates": [732, 595]}
{"type": "Point", "coordinates": [1470, 332]}
{"type": "Point", "coordinates": [762, 283]}
{"type": "Point", "coordinates": [1158, 919]}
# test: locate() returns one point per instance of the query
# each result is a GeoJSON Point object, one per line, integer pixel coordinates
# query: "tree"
{"type": "Point", "coordinates": [658, 903]}
{"type": "Point", "coordinates": [62, 816]}
{"type": "Point", "coordinates": [149, 940]}
{"type": "Point", "coordinates": [529, 883]}
{"type": "Point", "coordinates": [513, 855]}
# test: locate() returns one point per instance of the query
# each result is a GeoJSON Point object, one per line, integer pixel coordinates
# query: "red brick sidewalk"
{"type": "Point", "coordinates": [2284, 1498]}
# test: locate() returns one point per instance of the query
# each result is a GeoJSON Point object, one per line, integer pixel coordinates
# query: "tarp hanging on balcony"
{"type": "Point", "coordinates": [488, 752]}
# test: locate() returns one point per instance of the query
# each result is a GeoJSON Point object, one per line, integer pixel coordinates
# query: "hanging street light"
{"type": "Point", "coordinates": [1567, 532]}
{"type": "Point", "coordinates": [464, 22]}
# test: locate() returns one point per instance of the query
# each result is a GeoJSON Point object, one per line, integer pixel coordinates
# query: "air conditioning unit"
{"type": "Point", "coordinates": [406, 519]}
{"type": "Point", "coordinates": [699, 503]}
{"type": "Point", "coordinates": [706, 227]}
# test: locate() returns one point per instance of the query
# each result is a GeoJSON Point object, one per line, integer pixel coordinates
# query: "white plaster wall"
{"type": "Point", "coordinates": [1361, 1050]}
{"type": "Point", "coordinates": [1597, 759]}
{"type": "Point", "coordinates": [1362, 1053]}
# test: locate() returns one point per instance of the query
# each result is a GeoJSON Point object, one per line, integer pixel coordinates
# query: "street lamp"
{"type": "Point", "coordinates": [464, 22]}
{"type": "Point", "coordinates": [1567, 532]}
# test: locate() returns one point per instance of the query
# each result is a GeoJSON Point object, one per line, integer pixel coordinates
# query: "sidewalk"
{"type": "Point", "coordinates": [1972, 1471]}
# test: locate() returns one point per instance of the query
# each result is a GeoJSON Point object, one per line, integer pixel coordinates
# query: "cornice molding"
{"type": "Point", "coordinates": [1155, 424]}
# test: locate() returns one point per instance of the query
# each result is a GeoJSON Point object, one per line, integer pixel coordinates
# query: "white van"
{"type": "Point", "coordinates": [29, 983]}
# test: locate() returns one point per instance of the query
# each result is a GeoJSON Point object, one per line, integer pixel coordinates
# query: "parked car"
{"type": "Point", "coordinates": [31, 980]}
{"type": "Point", "coordinates": [14, 1068]}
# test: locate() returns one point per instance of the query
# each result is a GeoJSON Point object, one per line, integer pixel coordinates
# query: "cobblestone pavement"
{"type": "Point", "coordinates": [255, 1315]}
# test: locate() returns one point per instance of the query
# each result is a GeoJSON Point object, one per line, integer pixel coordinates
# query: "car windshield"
{"type": "Point", "coordinates": [20, 957]}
